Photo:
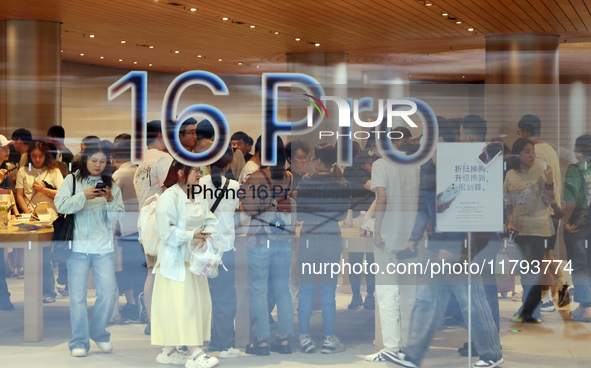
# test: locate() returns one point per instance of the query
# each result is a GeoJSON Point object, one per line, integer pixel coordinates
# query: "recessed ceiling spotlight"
{"type": "Point", "coordinates": [122, 41]}
{"type": "Point", "coordinates": [151, 46]}
{"type": "Point", "coordinates": [316, 44]}
{"type": "Point", "coordinates": [176, 51]}
{"type": "Point", "coordinates": [239, 63]}
{"type": "Point", "coordinates": [61, 50]}
{"type": "Point", "coordinates": [219, 59]}
{"type": "Point", "coordinates": [193, 9]}
{"type": "Point", "coordinates": [297, 39]}
{"type": "Point", "coordinates": [445, 14]}
{"type": "Point", "coordinates": [82, 54]}
{"type": "Point", "coordinates": [102, 57]}
{"type": "Point", "coordinates": [252, 26]}
{"type": "Point", "coordinates": [258, 66]}
{"type": "Point", "coordinates": [120, 59]}
{"type": "Point", "coordinates": [459, 22]}
{"type": "Point", "coordinates": [135, 62]}
{"type": "Point", "coordinates": [276, 32]}
{"type": "Point", "coordinates": [149, 64]}
{"type": "Point", "coordinates": [470, 29]}
{"type": "Point", "coordinates": [199, 56]}
{"type": "Point", "coordinates": [225, 18]}
{"type": "Point", "coordinates": [428, 4]}
{"type": "Point", "coordinates": [463, 76]}
{"type": "Point", "coordinates": [91, 36]}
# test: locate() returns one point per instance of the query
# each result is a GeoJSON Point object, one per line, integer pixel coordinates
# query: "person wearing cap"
{"type": "Point", "coordinates": [5, 303]}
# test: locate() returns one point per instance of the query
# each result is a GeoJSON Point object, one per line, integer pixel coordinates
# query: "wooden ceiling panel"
{"type": "Point", "coordinates": [375, 31]}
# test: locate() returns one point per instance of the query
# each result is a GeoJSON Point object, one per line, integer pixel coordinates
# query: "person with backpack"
{"type": "Point", "coordinates": [222, 289]}
{"type": "Point", "coordinates": [181, 303]}
{"type": "Point", "coordinates": [323, 200]}
{"type": "Point", "coordinates": [577, 234]}
{"type": "Point", "coordinates": [269, 252]}
{"type": "Point", "coordinates": [96, 208]}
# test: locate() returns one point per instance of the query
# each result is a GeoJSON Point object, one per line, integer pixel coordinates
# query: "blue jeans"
{"type": "Point", "coordinates": [430, 306]}
{"type": "Point", "coordinates": [48, 276]}
{"type": "Point", "coordinates": [263, 261]}
{"type": "Point", "coordinates": [223, 305]}
{"type": "Point", "coordinates": [317, 250]}
{"type": "Point", "coordinates": [580, 257]}
{"type": "Point", "coordinates": [103, 273]}
{"type": "Point", "coordinates": [531, 248]}
{"type": "Point", "coordinates": [4, 294]}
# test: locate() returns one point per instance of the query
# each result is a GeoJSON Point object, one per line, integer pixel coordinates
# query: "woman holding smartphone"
{"type": "Point", "coordinates": [181, 304]}
{"type": "Point", "coordinates": [37, 182]}
{"type": "Point", "coordinates": [529, 191]}
{"type": "Point", "coordinates": [95, 212]}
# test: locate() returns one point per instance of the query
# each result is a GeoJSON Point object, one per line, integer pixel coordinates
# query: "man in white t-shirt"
{"type": "Point", "coordinates": [397, 196]}
{"type": "Point", "coordinates": [252, 165]}
{"type": "Point", "coordinates": [148, 181]}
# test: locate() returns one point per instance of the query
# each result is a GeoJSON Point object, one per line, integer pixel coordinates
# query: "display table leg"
{"type": "Point", "coordinates": [33, 292]}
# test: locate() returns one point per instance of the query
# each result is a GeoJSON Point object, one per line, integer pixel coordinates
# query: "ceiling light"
{"type": "Point", "coordinates": [151, 46]}
{"type": "Point", "coordinates": [445, 14]}
{"type": "Point", "coordinates": [122, 41]}
{"type": "Point", "coordinates": [470, 29]}
{"type": "Point", "coordinates": [135, 62]}
{"type": "Point", "coordinates": [463, 76]}
{"type": "Point", "coordinates": [225, 18]}
{"type": "Point", "coordinates": [219, 59]}
{"type": "Point", "coordinates": [149, 64]}
{"type": "Point", "coordinates": [252, 26]}
{"type": "Point", "coordinates": [316, 44]}
{"type": "Point", "coordinates": [199, 56]}
{"type": "Point", "coordinates": [82, 54]}
{"type": "Point", "coordinates": [459, 22]}
{"type": "Point", "coordinates": [102, 57]}
{"type": "Point", "coordinates": [193, 9]}
{"type": "Point", "coordinates": [61, 50]}
{"type": "Point", "coordinates": [120, 59]}
{"type": "Point", "coordinates": [239, 63]}
{"type": "Point", "coordinates": [428, 4]}
{"type": "Point", "coordinates": [176, 51]}
{"type": "Point", "coordinates": [276, 32]}
{"type": "Point", "coordinates": [297, 39]}
{"type": "Point", "coordinates": [258, 66]}
{"type": "Point", "coordinates": [91, 36]}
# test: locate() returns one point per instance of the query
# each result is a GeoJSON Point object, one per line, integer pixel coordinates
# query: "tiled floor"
{"type": "Point", "coordinates": [558, 342]}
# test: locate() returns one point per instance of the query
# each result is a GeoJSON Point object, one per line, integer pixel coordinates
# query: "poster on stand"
{"type": "Point", "coordinates": [469, 187]}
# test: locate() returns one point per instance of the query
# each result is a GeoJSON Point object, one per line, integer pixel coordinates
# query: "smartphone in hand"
{"type": "Point", "coordinates": [101, 186]}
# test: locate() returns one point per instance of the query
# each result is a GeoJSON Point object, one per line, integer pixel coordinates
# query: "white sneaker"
{"type": "Point", "coordinates": [376, 357]}
{"type": "Point", "coordinates": [78, 352]}
{"type": "Point", "coordinates": [202, 361]}
{"type": "Point", "coordinates": [173, 357]}
{"type": "Point", "coordinates": [307, 344]}
{"type": "Point", "coordinates": [230, 353]}
{"type": "Point", "coordinates": [332, 346]}
{"type": "Point", "coordinates": [105, 346]}
{"type": "Point", "coordinates": [488, 363]}
{"type": "Point", "coordinates": [548, 307]}
{"type": "Point", "coordinates": [398, 358]}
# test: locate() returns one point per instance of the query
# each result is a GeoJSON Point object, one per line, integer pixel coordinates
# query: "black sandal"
{"type": "Point", "coordinates": [256, 349]}
{"type": "Point", "coordinates": [278, 347]}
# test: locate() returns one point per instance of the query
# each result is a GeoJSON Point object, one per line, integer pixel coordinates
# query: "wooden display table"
{"type": "Point", "coordinates": [33, 243]}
